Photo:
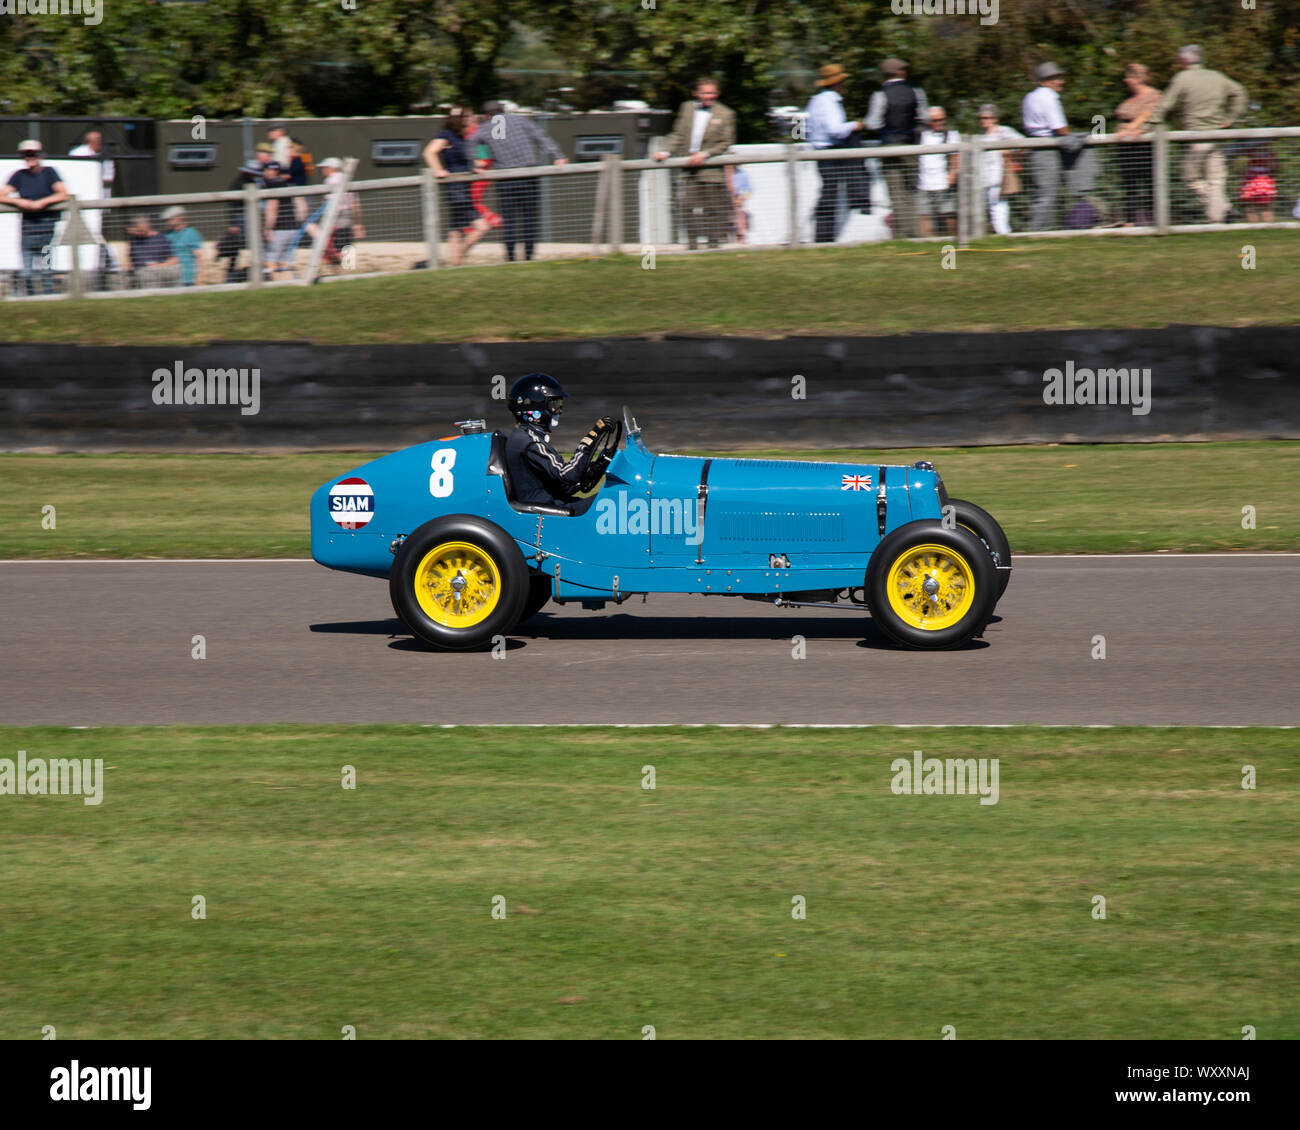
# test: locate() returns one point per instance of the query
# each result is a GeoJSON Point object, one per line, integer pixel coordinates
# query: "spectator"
{"type": "Point", "coordinates": [278, 137]}
{"type": "Point", "coordinates": [704, 128]}
{"type": "Point", "coordinates": [1203, 100]}
{"type": "Point", "coordinates": [937, 177]}
{"type": "Point", "coordinates": [449, 153]}
{"type": "Point", "coordinates": [280, 223]}
{"type": "Point", "coordinates": [299, 150]}
{"type": "Point", "coordinates": [185, 242]}
{"type": "Point", "coordinates": [479, 189]}
{"type": "Point", "coordinates": [232, 241]}
{"type": "Point", "coordinates": [347, 224]}
{"type": "Point", "coordinates": [297, 174]}
{"type": "Point", "coordinates": [999, 169]}
{"type": "Point", "coordinates": [895, 113]}
{"type": "Point", "coordinates": [1044, 117]}
{"type": "Point", "coordinates": [35, 189]}
{"type": "Point", "coordinates": [1135, 159]}
{"type": "Point", "coordinates": [1259, 185]}
{"type": "Point", "coordinates": [92, 145]}
{"type": "Point", "coordinates": [741, 189]}
{"type": "Point", "coordinates": [513, 141]}
{"type": "Point", "coordinates": [152, 261]}
{"type": "Point", "coordinates": [829, 129]}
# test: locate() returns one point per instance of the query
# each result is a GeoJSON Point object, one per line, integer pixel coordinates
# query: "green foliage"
{"type": "Point", "coordinates": [282, 57]}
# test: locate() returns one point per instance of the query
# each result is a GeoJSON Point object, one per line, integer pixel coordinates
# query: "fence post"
{"type": "Point", "coordinates": [253, 235]}
{"type": "Point", "coordinates": [432, 221]}
{"type": "Point", "coordinates": [978, 197]}
{"type": "Point", "coordinates": [615, 166]}
{"type": "Point", "coordinates": [329, 221]}
{"type": "Point", "coordinates": [963, 195]}
{"type": "Point", "coordinates": [1160, 177]}
{"type": "Point", "coordinates": [602, 204]}
{"type": "Point", "coordinates": [72, 234]}
{"type": "Point", "coordinates": [792, 188]}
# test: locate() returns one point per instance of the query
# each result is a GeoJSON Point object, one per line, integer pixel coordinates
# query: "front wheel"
{"type": "Point", "coordinates": [930, 587]}
{"type": "Point", "coordinates": [458, 581]}
{"type": "Point", "coordinates": [985, 527]}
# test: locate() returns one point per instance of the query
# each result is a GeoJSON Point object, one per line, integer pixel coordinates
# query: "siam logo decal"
{"type": "Point", "coordinates": [352, 503]}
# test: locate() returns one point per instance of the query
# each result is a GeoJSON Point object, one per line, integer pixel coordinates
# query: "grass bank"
{"type": "Point", "coordinates": [670, 907]}
{"type": "Point", "coordinates": [1103, 498]}
{"type": "Point", "coordinates": [999, 284]}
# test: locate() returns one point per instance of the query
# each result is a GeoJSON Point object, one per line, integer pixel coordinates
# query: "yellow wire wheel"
{"type": "Point", "coordinates": [458, 581]}
{"type": "Point", "coordinates": [930, 587]}
{"type": "Point", "coordinates": [457, 584]}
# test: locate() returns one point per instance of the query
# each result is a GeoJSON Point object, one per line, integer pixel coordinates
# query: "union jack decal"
{"type": "Point", "coordinates": [855, 482]}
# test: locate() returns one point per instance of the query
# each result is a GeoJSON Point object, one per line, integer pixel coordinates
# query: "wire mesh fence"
{"type": "Point", "coordinates": [1238, 180]}
{"type": "Point", "coordinates": [996, 182]}
{"type": "Point", "coordinates": [380, 229]}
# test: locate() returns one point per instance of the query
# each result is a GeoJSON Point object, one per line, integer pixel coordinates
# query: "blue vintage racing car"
{"type": "Point", "coordinates": [465, 562]}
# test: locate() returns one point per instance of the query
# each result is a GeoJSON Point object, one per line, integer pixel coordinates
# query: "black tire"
{"type": "Point", "coordinates": [985, 527]}
{"type": "Point", "coordinates": [500, 586]}
{"type": "Point", "coordinates": [539, 596]}
{"type": "Point", "coordinates": [969, 586]}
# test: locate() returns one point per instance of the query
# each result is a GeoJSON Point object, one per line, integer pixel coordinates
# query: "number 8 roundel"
{"type": "Point", "coordinates": [441, 482]}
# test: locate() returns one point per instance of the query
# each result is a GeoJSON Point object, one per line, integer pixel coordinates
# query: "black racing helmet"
{"type": "Point", "coordinates": [537, 398]}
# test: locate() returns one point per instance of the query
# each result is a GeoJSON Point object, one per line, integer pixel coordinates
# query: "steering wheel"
{"type": "Point", "coordinates": [606, 447]}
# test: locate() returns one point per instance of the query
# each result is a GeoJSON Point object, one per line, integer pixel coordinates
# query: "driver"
{"type": "Point", "coordinates": [537, 472]}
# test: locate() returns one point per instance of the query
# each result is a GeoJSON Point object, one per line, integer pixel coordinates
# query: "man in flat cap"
{"type": "Point", "coordinates": [1044, 117]}
{"type": "Point", "coordinates": [896, 112]}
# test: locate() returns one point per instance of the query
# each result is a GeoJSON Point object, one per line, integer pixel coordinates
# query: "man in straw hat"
{"type": "Point", "coordinates": [828, 128]}
{"type": "Point", "coordinates": [896, 112]}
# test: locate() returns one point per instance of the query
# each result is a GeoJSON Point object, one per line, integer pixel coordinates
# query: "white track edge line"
{"type": "Point", "coordinates": [690, 725]}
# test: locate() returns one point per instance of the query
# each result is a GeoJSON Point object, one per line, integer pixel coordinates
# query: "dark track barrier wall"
{"type": "Point", "coordinates": [912, 390]}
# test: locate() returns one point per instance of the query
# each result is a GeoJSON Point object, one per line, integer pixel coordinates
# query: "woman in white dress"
{"type": "Point", "coordinates": [999, 169]}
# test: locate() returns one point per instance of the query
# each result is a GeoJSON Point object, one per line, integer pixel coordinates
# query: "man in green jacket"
{"type": "Point", "coordinates": [1203, 100]}
{"type": "Point", "coordinates": [704, 128]}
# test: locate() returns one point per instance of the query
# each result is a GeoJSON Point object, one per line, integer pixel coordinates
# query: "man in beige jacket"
{"type": "Point", "coordinates": [1203, 100]}
{"type": "Point", "coordinates": [705, 128]}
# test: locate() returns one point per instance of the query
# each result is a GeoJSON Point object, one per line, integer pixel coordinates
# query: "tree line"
{"type": "Point", "coordinates": [283, 58]}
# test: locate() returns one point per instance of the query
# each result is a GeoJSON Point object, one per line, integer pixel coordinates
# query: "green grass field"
{"type": "Point", "coordinates": [999, 284]}
{"type": "Point", "coordinates": [1050, 499]}
{"type": "Point", "coordinates": [626, 907]}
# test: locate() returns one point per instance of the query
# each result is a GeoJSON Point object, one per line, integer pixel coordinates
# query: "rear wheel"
{"type": "Point", "coordinates": [930, 587]}
{"type": "Point", "coordinates": [458, 581]}
{"type": "Point", "coordinates": [985, 527]}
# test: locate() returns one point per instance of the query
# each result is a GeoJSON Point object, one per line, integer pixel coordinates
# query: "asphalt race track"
{"type": "Point", "coordinates": [1206, 640]}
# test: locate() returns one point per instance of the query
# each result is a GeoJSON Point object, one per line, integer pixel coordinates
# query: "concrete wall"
{"type": "Point", "coordinates": [917, 389]}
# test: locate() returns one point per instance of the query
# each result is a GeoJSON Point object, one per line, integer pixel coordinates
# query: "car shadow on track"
{"type": "Point", "coordinates": [616, 627]}
{"type": "Point", "coordinates": [399, 638]}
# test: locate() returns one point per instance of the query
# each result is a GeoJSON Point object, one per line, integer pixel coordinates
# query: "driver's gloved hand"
{"type": "Point", "coordinates": [599, 428]}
